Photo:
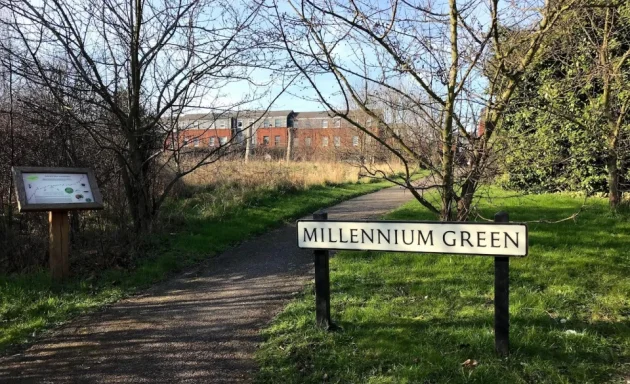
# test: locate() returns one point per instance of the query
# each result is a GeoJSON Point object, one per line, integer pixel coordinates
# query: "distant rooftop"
{"type": "Point", "coordinates": [318, 114]}
{"type": "Point", "coordinates": [238, 114]}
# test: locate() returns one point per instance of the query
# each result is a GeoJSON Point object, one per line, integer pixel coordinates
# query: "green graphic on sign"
{"type": "Point", "coordinates": [88, 200]}
{"type": "Point", "coordinates": [32, 178]}
{"type": "Point", "coordinates": [69, 190]}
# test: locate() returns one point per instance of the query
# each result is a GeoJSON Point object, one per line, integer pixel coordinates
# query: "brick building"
{"type": "Point", "coordinates": [314, 135]}
{"type": "Point", "coordinates": [323, 135]}
{"type": "Point", "coordinates": [202, 130]}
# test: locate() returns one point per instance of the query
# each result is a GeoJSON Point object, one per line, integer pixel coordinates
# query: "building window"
{"type": "Point", "coordinates": [239, 123]}
{"type": "Point", "coordinates": [276, 140]}
{"type": "Point", "coordinates": [266, 123]}
{"type": "Point", "coordinates": [355, 141]}
{"type": "Point", "coordinates": [221, 123]}
{"type": "Point", "coordinates": [324, 141]}
{"type": "Point", "coordinates": [265, 140]}
{"type": "Point", "coordinates": [307, 141]}
{"type": "Point", "coordinates": [212, 141]}
{"type": "Point", "coordinates": [196, 142]}
{"type": "Point", "coordinates": [278, 123]}
{"type": "Point", "coordinates": [337, 123]}
{"type": "Point", "coordinates": [295, 124]}
{"type": "Point", "coordinates": [337, 141]}
{"type": "Point", "coordinates": [324, 123]}
{"type": "Point", "coordinates": [223, 140]}
{"type": "Point", "coordinates": [185, 141]}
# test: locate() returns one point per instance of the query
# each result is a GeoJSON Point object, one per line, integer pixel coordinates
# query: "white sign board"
{"type": "Point", "coordinates": [491, 239]}
{"type": "Point", "coordinates": [57, 188]}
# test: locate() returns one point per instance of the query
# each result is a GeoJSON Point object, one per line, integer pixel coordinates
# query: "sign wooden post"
{"type": "Point", "coordinates": [500, 240]}
{"type": "Point", "coordinates": [59, 226]}
{"type": "Point", "coordinates": [57, 191]}
{"type": "Point", "coordinates": [322, 281]}
{"type": "Point", "coordinates": [502, 297]}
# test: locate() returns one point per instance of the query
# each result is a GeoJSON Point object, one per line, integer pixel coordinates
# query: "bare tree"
{"type": "Point", "coordinates": [7, 112]}
{"type": "Point", "coordinates": [137, 66]}
{"type": "Point", "coordinates": [444, 61]}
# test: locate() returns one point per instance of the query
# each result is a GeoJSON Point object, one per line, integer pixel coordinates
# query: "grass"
{"type": "Point", "coordinates": [30, 303]}
{"type": "Point", "coordinates": [408, 318]}
{"type": "Point", "coordinates": [257, 174]}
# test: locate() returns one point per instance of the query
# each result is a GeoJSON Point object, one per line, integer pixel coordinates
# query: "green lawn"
{"type": "Point", "coordinates": [31, 303]}
{"type": "Point", "coordinates": [408, 318]}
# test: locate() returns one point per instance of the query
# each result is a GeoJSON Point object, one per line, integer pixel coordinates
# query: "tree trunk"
{"type": "Point", "coordinates": [479, 156]}
{"type": "Point", "coordinates": [448, 176]}
{"type": "Point", "coordinates": [465, 202]}
{"type": "Point", "coordinates": [248, 143]}
{"type": "Point", "coordinates": [614, 194]}
{"type": "Point", "coordinates": [447, 180]}
{"type": "Point", "coordinates": [139, 197]}
{"type": "Point", "coordinates": [289, 143]}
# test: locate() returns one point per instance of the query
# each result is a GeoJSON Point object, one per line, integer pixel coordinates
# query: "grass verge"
{"type": "Point", "coordinates": [408, 318]}
{"type": "Point", "coordinates": [33, 302]}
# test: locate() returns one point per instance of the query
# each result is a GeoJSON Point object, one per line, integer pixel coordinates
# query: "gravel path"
{"type": "Point", "coordinates": [200, 327]}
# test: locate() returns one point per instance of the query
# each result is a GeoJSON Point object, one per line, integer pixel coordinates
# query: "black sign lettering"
{"type": "Point", "coordinates": [381, 234]}
{"type": "Point", "coordinates": [405, 241]}
{"type": "Point", "coordinates": [330, 237]}
{"type": "Point", "coordinates": [354, 235]}
{"type": "Point", "coordinates": [444, 238]}
{"type": "Point", "coordinates": [341, 236]}
{"type": "Point", "coordinates": [512, 240]}
{"type": "Point", "coordinates": [494, 239]}
{"type": "Point", "coordinates": [312, 236]}
{"type": "Point", "coordinates": [421, 237]}
{"type": "Point", "coordinates": [465, 236]}
{"type": "Point", "coordinates": [480, 239]}
{"type": "Point", "coordinates": [364, 235]}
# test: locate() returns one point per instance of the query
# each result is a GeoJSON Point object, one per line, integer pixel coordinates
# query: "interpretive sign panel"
{"type": "Point", "coordinates": [56, 189]}
{"type": "Point", "coordinates": [491, 239]}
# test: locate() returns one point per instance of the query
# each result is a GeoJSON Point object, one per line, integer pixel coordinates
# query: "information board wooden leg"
{"type": "Point", "coordinates": [322, 282]}
{"type": "Point", "coordinates": [59, 225]}
{"type": "Point", "coordinates": [502, 298]}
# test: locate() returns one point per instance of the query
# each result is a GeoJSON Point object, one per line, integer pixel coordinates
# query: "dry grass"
{"type": "Point", "coordinates": [222, 189]}
{"type": "Point", "coordinates": [275, 175]}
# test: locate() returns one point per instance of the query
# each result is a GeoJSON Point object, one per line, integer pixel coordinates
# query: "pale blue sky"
{"type": "Point", "coordinates": [300, 96]}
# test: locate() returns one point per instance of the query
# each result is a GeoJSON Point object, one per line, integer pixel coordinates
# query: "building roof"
{"type": "Point", "coordinates": [238, 114]}
{"type": "Point", "coordinates": [315, 115]}
{"type": "Point", "coordinates": [205, 116]}
{"type": "Point", "coordinates": [231, 114]}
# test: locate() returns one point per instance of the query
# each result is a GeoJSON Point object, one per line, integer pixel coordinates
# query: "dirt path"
{"type": "Point", "coordinates": [201, 327]}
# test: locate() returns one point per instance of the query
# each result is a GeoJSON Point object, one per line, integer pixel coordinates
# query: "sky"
{"type": "Point", "coordinates": [300, 97]}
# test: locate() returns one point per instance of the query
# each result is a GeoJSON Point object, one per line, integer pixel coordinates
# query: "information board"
{"type": "Point", "coordinates": [56, 189]}
{"type": "Point", "coordinates": [490, 239]}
